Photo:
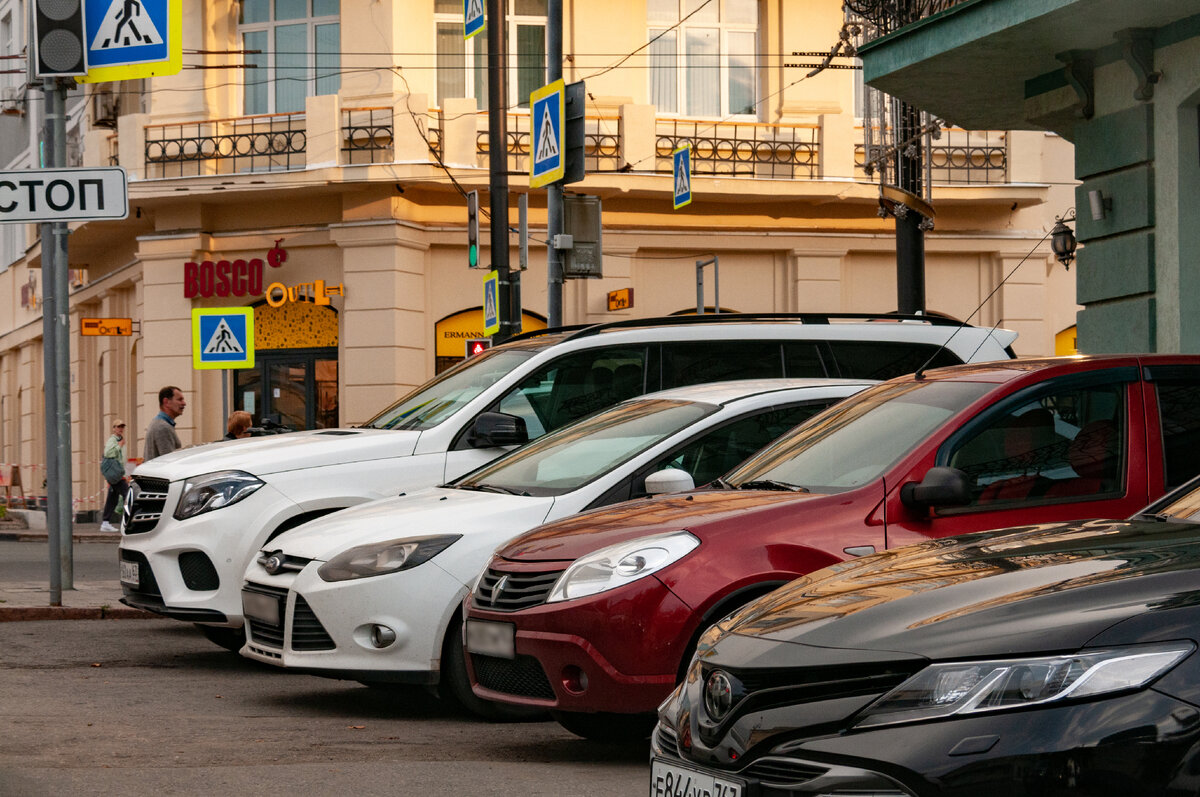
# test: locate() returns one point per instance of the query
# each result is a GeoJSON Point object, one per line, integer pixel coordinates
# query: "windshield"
{"type": "Point", "coordinates": [576, 454]}
{"type": "Point", "coordinates": [435, 401]}
{"type": "Point", "coordinates": [856, 441]}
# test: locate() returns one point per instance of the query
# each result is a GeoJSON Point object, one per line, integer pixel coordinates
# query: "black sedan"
{"type": "Point", "coordinates": [1046, 660]}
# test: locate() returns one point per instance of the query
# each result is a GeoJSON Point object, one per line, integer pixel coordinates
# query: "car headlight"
{"type": "Point", "coordinates": [379, 558]}
{"type": "Point", "coordinates": [941, 690]}
{"type": "Point", "coordinates": [620, 564]}
{"type": "Point", "coordinates": [214, 491]}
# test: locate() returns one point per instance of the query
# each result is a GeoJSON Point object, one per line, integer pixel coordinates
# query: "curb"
{"type": "Point", "coordinates": [35, 536]}
{"type": "Point", "coordinates": [30, 613]}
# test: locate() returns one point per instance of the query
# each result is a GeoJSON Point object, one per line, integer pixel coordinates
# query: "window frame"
{"type": "Point", "coordinates": [269, 27]}
{"type": "Point", "coordinates": [479, 93]}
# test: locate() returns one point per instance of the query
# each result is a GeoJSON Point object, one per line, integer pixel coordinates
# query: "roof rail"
{"type": "Point", "coordinates": [537, 333]}
{"type": "Point", "coordinates": [588, 330]}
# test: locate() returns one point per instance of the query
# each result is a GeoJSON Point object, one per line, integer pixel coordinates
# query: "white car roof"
{"type": "Point", "coordinates": [722, 393]}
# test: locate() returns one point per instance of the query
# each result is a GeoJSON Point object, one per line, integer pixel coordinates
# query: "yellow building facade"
{"type": "Point", "coordinates": [322, 184]}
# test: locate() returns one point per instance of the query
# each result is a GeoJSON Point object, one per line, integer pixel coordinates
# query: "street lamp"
{"type": "Point", "coordinates": [1062, 241]}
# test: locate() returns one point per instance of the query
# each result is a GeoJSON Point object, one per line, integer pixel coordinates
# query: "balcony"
{"type": "Point", "coordinates": [959, 157]}
{"type": "Point", "coordinates": [274, 142]}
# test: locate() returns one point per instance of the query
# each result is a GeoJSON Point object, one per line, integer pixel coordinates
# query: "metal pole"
{"type": "Point", "coordinates": [49, 365]}
{"type": "Point", "coordinates": [910, 238]}
{"type": "Point", "coordinates": [62, 355]}
{"type": "Point", "coordinates": [715, 262]}
{"type": "Point", "coordinates": [699, 287]}
{"type": "Point", "coordinates": [716, 283]}
{"type": "Point", "coordinates": [554, 192]}
{"type": "Point", "coordinates": [497, 32]}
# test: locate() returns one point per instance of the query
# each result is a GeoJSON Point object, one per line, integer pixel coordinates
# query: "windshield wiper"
{"type": "Point", "coordinates": [721, 484]}
{"type": "Point", "coordinates": [771, 484]}
{"type": "Point", "coordinates": [1160, 517]}
{"type": "Point", "coordinates": [492, 488]}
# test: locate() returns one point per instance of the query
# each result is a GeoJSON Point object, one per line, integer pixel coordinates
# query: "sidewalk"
{"type": "Point", "coordinates": [89, 600]}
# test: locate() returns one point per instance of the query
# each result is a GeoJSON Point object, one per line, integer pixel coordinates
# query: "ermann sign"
{"type": "Point", "coordinates": [35, 195]}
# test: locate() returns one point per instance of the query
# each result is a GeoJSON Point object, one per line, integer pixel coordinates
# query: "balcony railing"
{"type": "Point", "coordinates": [367, 136]}
{"type": "Point", "coordinates": [273, 142]}
{"type": "Point", "coordinates": [750, 149]}
{"type": "Point", "coordinates": [886, 16]}
{"type": "Point", "coordinates": [960, 157]}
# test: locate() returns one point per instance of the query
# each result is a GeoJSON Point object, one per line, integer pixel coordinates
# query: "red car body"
{"type": "Point", "coordinates": [622, 650]}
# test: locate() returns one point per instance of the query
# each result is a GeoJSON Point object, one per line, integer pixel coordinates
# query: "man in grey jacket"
{"type": "Point", "coordinates": [160, 434]}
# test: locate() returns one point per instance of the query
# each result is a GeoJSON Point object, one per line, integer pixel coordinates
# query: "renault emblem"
{"type": "Point", "coordinates": [499, 589]}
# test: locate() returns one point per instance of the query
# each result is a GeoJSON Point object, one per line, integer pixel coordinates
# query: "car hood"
{"type": "Point", "coordinates": [436, 510]}
{"type": "Point", "coordinates": [282, 452]}
{"type": "Point", "coordinates": [1041, 588]}
{"type": "Point", "coordinates": [578, 535]}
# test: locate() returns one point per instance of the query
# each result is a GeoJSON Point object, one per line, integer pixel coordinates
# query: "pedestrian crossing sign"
{"type": "Point", "coordinates": [222, 337]}
{"type": "Point", "coordinates": [491, 303]}
{"type": "Point", "coordinates": [682, 172]}
{"type": "Point", "coordinates": [130, 39]}
{"type": "Point", "coordinates": [547, 163]}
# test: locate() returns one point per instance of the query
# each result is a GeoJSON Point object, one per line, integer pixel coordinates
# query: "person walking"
{"type": "Point", "coordinates": [240, 422]}
{"type": "Point", "coordinates": [112, 467]}
{"type": "Point", "coordinates": [160, 434]}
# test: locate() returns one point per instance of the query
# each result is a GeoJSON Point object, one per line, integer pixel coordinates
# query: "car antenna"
{"type": "Point", "coordinates": [920, 373]}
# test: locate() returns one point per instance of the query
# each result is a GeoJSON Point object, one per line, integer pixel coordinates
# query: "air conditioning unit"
{"type": "Point", "coordinates": [106, 107]}
{"type": "Point", "coordinates": [12, 100]}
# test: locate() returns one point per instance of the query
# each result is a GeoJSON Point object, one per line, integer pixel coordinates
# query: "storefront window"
{"type": "Point", "coordinates": [299, 44]}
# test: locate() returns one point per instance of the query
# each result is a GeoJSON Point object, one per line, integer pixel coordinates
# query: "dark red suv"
{"type": "Point", "coordinates": [594, 616]}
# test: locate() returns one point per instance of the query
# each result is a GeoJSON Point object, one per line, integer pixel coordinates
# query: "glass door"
{"type": "Point", "coordinates": [295, 388]}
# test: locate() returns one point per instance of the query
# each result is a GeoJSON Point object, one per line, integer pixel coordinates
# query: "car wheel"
{"type": "Point", "coordinates": [455, 685]}
{"type": "Point", "coordinates": [607, 728]}
{"type": "Point", "coordinates": [231, 639]}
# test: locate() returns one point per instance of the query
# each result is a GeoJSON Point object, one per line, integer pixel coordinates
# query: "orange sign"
{"type": "Point", "coordinates": [106, 326]}
{"type": "Point", "coordinates": [620, 300]}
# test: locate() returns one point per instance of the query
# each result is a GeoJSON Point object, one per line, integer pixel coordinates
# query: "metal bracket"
{"type": "Point", "coordinates": [1138, 46]}
{"type": "Point", "coordinates": [1081, 76]}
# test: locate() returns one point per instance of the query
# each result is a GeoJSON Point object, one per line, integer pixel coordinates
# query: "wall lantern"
{"type": "Point", "coordinates": [1062, 241]}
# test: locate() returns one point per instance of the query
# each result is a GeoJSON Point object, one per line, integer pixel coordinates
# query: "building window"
{"type": "Point", "coordinates": [462, 64]}
{"type": "Point", "coordinates": [300, 49]}
{"type": "Point", "coordinates": [707, 65]}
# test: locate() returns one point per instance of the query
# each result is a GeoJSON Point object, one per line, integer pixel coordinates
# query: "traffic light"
{"type": "Point", "coordinates": [473, 229]}
{"type": "Point", "coordinates": [59, 34]}
{"type": "Point", "coordinates": [574, 133]}
{"type": "Point", "coordinates": [478, 346]}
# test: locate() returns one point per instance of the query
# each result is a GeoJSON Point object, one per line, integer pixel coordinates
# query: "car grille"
{"type": "Point", "coordinates": [518, 591]}
{"type": "Point", "coordinates": [147, 585]}
{"type": "Point", "coordinates": [522, 676]}
{"type": "Point", "coordinates": [779, 771]}
{"type": "Point", "coordinates": [307, 631]}
{"type": "Point", "coordinates": [668, 740]}
{"type": "Point", "coordinates": [198, 571]}
{"type": "Point", "coordinates": [148, 500]}
{"type": "Point", "coordinates": [804, 685]}
{"type": "Point", "coordinates": [268, 633]}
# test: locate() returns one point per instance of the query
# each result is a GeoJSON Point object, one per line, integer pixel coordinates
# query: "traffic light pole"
{"type": "Point", "coordinates": [509, 293]}
{"type": "Point", "coordinates": [56, 347]}
{"type": "Point", "coordinates": [554, 191]}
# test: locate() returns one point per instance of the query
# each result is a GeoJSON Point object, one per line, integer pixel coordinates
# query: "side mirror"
{"type": "Point", "coordinates": [670, 480]}
{"type": "Point", "coordinates": [497, 429]}
{"type": "Point", "coordinates": [941, 486]}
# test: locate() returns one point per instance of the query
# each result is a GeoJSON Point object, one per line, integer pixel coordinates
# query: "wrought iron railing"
{"type": "Point", "coordinates": [886, 16]}
{"type": "Point", "coordinates": [367, 135]}
{"type": "Point", "coordinates": [273, 142]}
{"type": "Point", "coordinates": [958, 157]}
{"type": "Point", "coordinates": [750, 149]}
{"type": "Point", "coordinates": [602, 143]}
{"type": "Point", "coordinates": [434, 125]}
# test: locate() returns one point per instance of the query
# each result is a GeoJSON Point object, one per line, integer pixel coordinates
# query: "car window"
{"type": "Point", "coordinates": [438, 399]}
{"type": "Point", "coordinates": [720, 360]}
{"type": "Point", "coordinates": [857, 440]}
{"type": "Point", "coordinates": [1068, 444]}
{"type": "Point", "coordinates": [571, 457]}
{"type": "Point", "coordinates": [803, 359]}
{"type": "Point", "coordinates": [576, 385]}
{"type": "Point", "coordinates": [1179, 411]}
{"type": "Point", "coordinates": [720, 450]}
{"type": "Point", "coordinates": [879, 360]}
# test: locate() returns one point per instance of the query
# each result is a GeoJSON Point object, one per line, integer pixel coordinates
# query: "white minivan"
{"type": "Point", "coordinates": [195, 518]}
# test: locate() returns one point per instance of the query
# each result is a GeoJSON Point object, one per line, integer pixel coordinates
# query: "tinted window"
{"type": "Point", "coordinates": [576, 385]}
{"type": "Point", "coordinates": [857, 440]}
{"type": "Point", "coordinates": [716, 361]}
{"type": "Point", "coordinates": [873, 360]}
{"type": "Point", "coordinates": [803, 360]}
{"type": "Point", "coordinates": [1069, 444]}
{"type": "Point", "coordinates": [721, 450]}
{"type": "Point", "coordinates": [1179, 408]}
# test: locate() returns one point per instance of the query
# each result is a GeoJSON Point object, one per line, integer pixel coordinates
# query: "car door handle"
{"type": "Point", "coordinates": [860, 550]}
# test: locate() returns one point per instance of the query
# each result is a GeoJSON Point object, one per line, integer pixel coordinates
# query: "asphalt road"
{"type": "Point", "coordinates": [106, 707]}
{"type": "Point", "coordinates": [30, 561]}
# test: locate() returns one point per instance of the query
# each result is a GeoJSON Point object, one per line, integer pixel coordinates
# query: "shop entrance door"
{"type": "Point", "coordinates": [297, 388]}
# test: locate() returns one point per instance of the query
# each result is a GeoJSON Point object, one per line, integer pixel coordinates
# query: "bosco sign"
{"type": "Point", "coordinates": [229, 278]}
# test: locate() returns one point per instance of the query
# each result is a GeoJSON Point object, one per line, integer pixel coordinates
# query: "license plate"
{"type": "Point", "coordinates": [261, 607]}
{"type": "Point", "coordinates": [491, 639]}
{"type": "Point", "coordinates": [669, 780]}
{"type": "Point", "coordinates": [129, 573]}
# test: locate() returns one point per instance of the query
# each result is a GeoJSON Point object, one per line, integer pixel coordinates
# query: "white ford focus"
{"type": "Point", "coordinates": [373, 593]}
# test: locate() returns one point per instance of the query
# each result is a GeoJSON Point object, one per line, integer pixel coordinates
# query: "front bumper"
{"type": "Point", "coordinates": [325, 627]}
{"type": "Point", "coordinates": [1144, 743]}
{"type": "Point", "coordinates": [192, 569]}
{"type": "Point", "coordinates": [626, 644]}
